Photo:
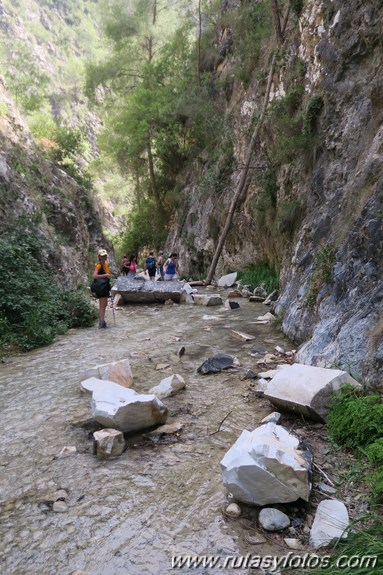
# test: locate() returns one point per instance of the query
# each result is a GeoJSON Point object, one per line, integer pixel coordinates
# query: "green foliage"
{"type": "Point", "coordinates": [63, 145]}
{"type": "Point", "coordinates": [251, 24]}
{"type": "Point", "coordinates": [25, 78]}
{"type": "Point", "coordinates": [33, 309]}
{"type": "Point", "coordinates": [3, 109]}
{"type": "Point", "coordinates": [314, 108]}
{"type": "Point", "coordinates": [297, 7]}
{"type": "Point", "coordinates": [374, 451]}
{"type": "Point", "coordinates": [281, 218]}
{"type": "Point", "coordinates": [290, 136]}
{"type": "Point", "coordinates": [355, 420]}
{"type": "Point", "coordinates": [261, 275]}
{"type": "Point", "coordinates": [74, 309]}
{"type": "Point", "coordinates": [144, 228]}
{"type": "Point", "coordinates": [324, 260]}
{"type": "Point", "coordinates": [288, 217]}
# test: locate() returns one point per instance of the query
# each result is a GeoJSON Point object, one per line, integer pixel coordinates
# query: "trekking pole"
{"type": "Point", "coordinates": [114, 315]}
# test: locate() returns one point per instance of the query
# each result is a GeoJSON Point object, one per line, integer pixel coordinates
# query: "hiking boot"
{"type": "Point", "coordinates": [101, 324]}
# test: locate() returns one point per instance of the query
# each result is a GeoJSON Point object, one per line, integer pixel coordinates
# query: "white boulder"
{"type": "Point", "coordinates": [305, 389]}
{"type": "Point", "coordinates": [331, 521]}
{"type": "Point", "coordinates": [267, 466]}
{"type": "Point", "coordinates": [228, 280]}
{"type": "Point", "coordinates": [117, 371]}
{"type": "Point", "coordinates": [169, 386]}
{"type": "Point", "coordinates": [122, 408]}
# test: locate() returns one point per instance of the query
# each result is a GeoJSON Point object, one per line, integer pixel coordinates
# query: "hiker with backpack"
{"type": "Point", "coordinates": [101, 285]}
{"type": "Point", "coordinates": [150, 265]}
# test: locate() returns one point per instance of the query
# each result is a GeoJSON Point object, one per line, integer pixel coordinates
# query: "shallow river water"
{"type": "Point", "coordinates": [132, 514]}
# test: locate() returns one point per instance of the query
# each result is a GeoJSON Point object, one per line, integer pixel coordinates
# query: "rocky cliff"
{"type": "Point", "coordinates": [42, 199]}
{"type": "Point", "coordinates": [325, 227]}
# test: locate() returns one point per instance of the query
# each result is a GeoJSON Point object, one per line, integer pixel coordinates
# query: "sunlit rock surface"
{"type": "Point", "coordinates": [140, 290]}
{"type": "Point", "coordinates": [306, 390]}
{"type": "Point", "coordinates": [116, 371]}
{"type": "Point", "coordinates": [121, 408]}
{"type": "Point", "coordinates": [267, 466]}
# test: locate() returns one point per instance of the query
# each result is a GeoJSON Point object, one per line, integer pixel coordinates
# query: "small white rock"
{"type": "Point", "coordinates": [233, 510]}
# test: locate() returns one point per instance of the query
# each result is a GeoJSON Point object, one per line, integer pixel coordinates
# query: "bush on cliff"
{"type": "Point", "coordinates": [33, 309]}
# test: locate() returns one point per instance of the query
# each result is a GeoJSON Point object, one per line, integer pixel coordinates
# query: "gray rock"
{"type": "Point", "coordinates": [272, 519]}
{"type": "Point", "coordinates": [217, 363]}
{"type": "Point", "coordinates": [231, 304]}
{"type": "Point", "coordinates": [108, 443]}
{"type": "Point", "coordinates": [207, 299]}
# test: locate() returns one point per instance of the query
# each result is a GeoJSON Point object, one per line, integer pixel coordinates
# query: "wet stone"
{"type": "Point", "coordinates": [217, 363]}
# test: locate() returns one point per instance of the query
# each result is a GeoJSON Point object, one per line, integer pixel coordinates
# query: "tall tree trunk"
{"type": "Point", "coordinates": [277, 21]}
{"type": "Point", "coordinates": [199, 43]}
{"type": "Point", "coordinates": [243, 182]}
{"type": "Point", "coordinates": [137, 188]}
{"type": "Point", "coordinates": [153, 179]}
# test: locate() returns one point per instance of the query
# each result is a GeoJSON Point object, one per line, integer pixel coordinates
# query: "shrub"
{"type": "Point", "coordinates": [355, 420]}
{"type": "Point", "coordinates": [33, 309]}
{"type": "Point", "coordinates": [262, 274]}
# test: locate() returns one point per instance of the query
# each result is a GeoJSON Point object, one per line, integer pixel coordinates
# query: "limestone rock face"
{"type": "Point", "coordinates": [305, 389]}
{"type": "Point", "coordinates": [123, 409]}
{"type": "Point", "coordinates": [267, 466]}
{"type": "Point", "coordinates": [117, 371]}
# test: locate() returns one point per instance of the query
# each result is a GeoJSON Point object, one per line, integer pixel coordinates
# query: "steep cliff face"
{"type": "Point", "coordinates": [331, 293]}
{"type": "Point", "coordinates": [42, 199]}
{"type": "Point", "coordinates": [331, 297]}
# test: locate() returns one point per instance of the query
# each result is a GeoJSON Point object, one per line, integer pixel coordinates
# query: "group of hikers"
{"type": "Point", "coordinates": [163, 269]}
{"type": "Point", "coordinates": [157, 268]}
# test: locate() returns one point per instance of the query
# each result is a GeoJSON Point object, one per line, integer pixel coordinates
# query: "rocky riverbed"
{"type": "Point", "coordinates": [161, 498]}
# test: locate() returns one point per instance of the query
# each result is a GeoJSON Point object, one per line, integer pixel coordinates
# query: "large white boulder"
{"type": "Point", "coordinates": [306, 390]}
{"type": "Point", "coordinates": [169, 386]}
{"type": "Point", "coordinates": [116, 371]}
{"type": "Point", "coordinates": [267, 466]}
{"type": "Point", "coordinates": [331, 521]}
{"type": "Point", "coordinates": [227, 280]}
{"type": "Point", "coordinates": [122, 408]}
